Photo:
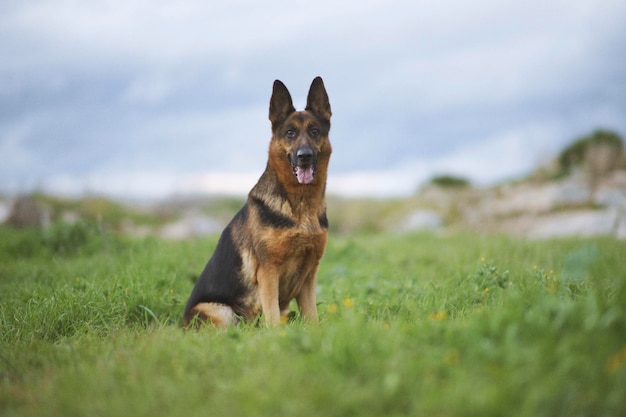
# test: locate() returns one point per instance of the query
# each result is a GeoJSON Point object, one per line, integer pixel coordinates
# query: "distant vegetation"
{"type": "Point", "coordinates": [594, 156]}
{"type": "Point", "coordinates": [602, 147]}
{"type": "Point", "coordinates": [42, 211]}
{"type": "Point", "coordinates": [38, 209]}
{"type": "Point", "coordinates": [450, 181]}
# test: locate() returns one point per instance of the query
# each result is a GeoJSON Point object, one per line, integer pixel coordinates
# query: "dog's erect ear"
{"type": "Point", "coordinates": [281, 105]}
{"type": "Point", "coordinates": [317, 101]}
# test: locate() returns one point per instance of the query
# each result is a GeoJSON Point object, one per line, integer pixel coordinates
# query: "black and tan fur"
{"type": "Point", "coordinates": [270, 251]}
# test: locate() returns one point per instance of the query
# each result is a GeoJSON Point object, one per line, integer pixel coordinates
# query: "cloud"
{"type": "Point", "coordinates": [152, 88]}
{"type": "Point", "coordinates": [13, 154]}
{"type": "Point", "coordinates": [505, 156]}
{"type": "Point", "coordinates": [100, 89]}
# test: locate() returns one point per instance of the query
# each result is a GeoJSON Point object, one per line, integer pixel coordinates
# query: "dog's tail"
{"type": "Point", "coordinates": [216, 314]}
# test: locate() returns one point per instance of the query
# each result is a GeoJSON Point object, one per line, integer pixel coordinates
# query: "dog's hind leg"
{"type": "Point", "coordinates": [218, 315]}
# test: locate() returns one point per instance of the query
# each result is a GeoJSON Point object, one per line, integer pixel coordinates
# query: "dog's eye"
{"type": "Point", "coordinates": [290, 134]}
{"type": "Point", "coordinates": [314, 132]}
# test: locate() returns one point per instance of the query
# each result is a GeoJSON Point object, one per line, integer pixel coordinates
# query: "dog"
{"type": "Point", "coordinates": [270, 251]}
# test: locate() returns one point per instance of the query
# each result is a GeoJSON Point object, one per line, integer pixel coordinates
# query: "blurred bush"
{"type": "Point", "coordinates": [81, 238]}
{"type": "Point", "coordinates": [598, 153]}
{"type": "Point", "coordinates": [450, 181]}
{"type": "Point", "coordinates": [60, 238]}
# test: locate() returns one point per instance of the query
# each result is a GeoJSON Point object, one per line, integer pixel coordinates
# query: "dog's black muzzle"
{"type": "Point", "coordinates": [303, 164]}
{"type": "Point", "coordinates": [305, 157]}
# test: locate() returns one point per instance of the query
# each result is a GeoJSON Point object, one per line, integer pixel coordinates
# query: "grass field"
{"type": "Point", "coordinates": [417, 325]}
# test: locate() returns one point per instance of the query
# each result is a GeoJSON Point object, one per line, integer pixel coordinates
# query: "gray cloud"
{"type": "Point", "coordinates": [92, 90]}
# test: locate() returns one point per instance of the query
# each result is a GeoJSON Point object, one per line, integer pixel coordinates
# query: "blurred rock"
{"type": "Point", "coordinates": [611, 198]}
{"type": "Point", "coordinates": [566, 207]}
{"type": "Point", "coordinates": [192, 224]}
{"type": "Point", "coordinates": [620, 228]}
{"type": "Point", "coordinates": [422, 220]}
{"type": "Point", "coordinates": [5, 210]}
{"type": "Point", "coordinates": [585, 223]}
{"type": "Point", "coordinates": [27, 212]}
{"type": "Point", "coordinates": [571, 192]}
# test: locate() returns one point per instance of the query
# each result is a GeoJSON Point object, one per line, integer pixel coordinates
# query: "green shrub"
{"type": "Point", "coordinates": [83, 237]}
{"type": "Point", "coordinates": [450, 181]}
{"type": "Point", "coordinates": [577, 154]}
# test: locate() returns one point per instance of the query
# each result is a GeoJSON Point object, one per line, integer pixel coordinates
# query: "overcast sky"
{"type": "Point", "coordinates": [150, 98]}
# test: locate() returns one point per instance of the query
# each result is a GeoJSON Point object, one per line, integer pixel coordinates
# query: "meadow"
{"type": "Point", "coordinates": [411, 325]}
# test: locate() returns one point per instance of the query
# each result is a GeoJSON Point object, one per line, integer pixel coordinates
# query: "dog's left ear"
{"type": "Point", "coordinates": [317, 101]}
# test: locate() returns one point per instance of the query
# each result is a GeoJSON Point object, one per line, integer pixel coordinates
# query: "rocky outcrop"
{"type": "Point", "coordinates": [569, 207]}
{"type": "Point", "coordinates": [28, 212]}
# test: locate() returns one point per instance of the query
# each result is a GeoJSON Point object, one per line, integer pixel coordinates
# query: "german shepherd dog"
{"type": "Point", "coordinates": [270, 251]}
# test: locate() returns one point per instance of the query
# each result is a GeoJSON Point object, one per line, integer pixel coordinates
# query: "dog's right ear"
{"type": "Point", "coordinates": [281, 104]}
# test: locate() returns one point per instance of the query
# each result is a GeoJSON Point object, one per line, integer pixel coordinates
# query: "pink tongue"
{"type": "Point", "coordinates": [305, 175]}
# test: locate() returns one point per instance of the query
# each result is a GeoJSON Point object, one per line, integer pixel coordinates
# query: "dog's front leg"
{"type": "Point", "coordinates": [268, 295]}
{"type": "Point", "coordinates": [307, 301]}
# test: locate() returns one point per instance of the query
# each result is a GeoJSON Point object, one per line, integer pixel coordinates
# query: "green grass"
{"type": "Point", "coordinates": [414, 325]}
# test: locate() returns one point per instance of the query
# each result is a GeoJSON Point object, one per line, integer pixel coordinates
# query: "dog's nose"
{"type": "Point", "coordinates": [305, 156]}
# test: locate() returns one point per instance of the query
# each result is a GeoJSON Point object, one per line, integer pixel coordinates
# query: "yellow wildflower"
{"type": "Point", "coordinates": [451, 357]}
{"type": "Point", "coordinates": [616, 361]}
{"type": "Point", "coordinates": [438, 316]}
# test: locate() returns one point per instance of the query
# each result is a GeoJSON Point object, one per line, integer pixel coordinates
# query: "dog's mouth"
{"type": "Point", "coordinates": [303, 168]}
{"type": "Point", "coordinates": [304, 175]}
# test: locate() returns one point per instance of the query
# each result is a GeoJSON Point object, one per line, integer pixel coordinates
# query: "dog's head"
{"type": "Point", "coordinates": [300, 138]}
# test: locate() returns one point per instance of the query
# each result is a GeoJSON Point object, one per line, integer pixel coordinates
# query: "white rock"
{"type": "Point", "coordinates": [422, 220]}
{"type": "Point", "coordinates": [575, 223]}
